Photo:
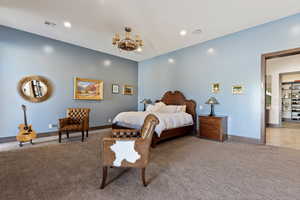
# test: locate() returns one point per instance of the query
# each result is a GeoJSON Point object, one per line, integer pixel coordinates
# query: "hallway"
{"type": "Point", "coordinates": [286, 136]}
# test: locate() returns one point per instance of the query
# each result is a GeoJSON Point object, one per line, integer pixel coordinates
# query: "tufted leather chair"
{"type": "Point", "coordinates": [77, 120]}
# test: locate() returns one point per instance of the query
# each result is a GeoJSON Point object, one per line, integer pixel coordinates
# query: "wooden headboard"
{"type": "Point", "coordinates": [177, 98]}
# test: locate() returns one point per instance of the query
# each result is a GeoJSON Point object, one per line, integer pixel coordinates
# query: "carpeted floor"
{"type": "Point", "coordinates": [185, 168]}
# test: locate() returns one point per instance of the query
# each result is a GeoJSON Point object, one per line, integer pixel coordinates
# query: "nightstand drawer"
{"type": "Point", "coordinates": [209, 127]}
{"type": "Point", "coordinates": [210, 122]}
{"type": "Point", "coordinates": [210, 132]}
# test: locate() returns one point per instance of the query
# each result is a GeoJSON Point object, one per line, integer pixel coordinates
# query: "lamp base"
{"type": "Point", "coordinates": [212, 110]}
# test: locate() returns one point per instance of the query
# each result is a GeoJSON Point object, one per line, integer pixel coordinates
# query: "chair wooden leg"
{"type": "Point", "coordinates": [59, 137]}
{"type": "Point", "coordinates": [82, 136]}
{"type": "Point", "coordinates": [153, 144]}
{"type": "Point", "coordinates": [67, 134]}
{"type": "Point", "coordinates": [143, 171]}
{"type": "Point", "coordinates": [104, 176]}
{"type": "Point", "coordinates": [87, 133]}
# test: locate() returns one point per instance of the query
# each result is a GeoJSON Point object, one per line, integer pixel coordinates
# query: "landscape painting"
{"type": "Point", "coordinates": [237, 89]}
{"type": "Point", "coordinates": [88, 89]}
{"type": "Point", "coordinates": [128, 90]}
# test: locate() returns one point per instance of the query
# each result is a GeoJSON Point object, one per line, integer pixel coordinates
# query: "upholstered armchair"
{"type": "Point", "coordinates": [128, 148]}
{"type": "Point", "coordinates": [77, 120]}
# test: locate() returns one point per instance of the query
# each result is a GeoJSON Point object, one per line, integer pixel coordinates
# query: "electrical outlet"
{"type": "Point", "coordinates": [200, 107]}
{"type": "Point", "coordinates": [109, 120]}
{"type": "Point", "coordinates": [52, 126]}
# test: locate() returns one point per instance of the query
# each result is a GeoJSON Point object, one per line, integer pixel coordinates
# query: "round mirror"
{"type": "Point", "coordinates": [35, 88]}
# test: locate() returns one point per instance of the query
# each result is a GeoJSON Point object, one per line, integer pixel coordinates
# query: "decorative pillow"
{"type": "Point", "coordinates": [150, 108]}
{"type": "Point", "coordinates": [160, 104]}
{"type": "Point", "coordinates": [156, 107]}
{"type": "Point", "coordinates": [182, 108]}
{"type": "Point", "coordinates": [173, 109]}
{"type": "Point", "coordinates": [168, 109]}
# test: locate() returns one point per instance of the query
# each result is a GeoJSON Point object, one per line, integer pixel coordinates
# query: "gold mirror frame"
{"type": "Point", "coordinates": [33, 99]}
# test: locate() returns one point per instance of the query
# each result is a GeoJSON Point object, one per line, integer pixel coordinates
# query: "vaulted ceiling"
{"type": "Point", "coordinates": [159, 22]}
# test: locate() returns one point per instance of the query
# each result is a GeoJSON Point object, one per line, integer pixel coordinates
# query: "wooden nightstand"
{"type": "Point", "coordinates": [214, 128]}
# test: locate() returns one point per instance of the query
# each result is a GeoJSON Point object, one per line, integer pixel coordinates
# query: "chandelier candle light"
{"type": "Point", "coordinates": [127, 44]}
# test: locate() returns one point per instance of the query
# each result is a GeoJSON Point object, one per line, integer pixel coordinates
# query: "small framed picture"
{"type": "Point", "coordinates": [115, 89]}
{"type": "Point", "coordinates": [237, 89]}
{"type": "Point", "coordinates": [128, 90]}
{"type": "Point", "coordinates": [215, 88]}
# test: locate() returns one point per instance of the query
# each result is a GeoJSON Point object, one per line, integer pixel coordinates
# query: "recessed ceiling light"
{"type": "Point", "coordinates": [183, 32]}
{"type": "Point", "coordinates": [67, 24]}
{"type": "Point", "coordinates": [296, 30]}
{"type": "Point", "coordinates": [197, 31]}
{"type": "Point", "coordinates": [107, 63]}
{"type": "Point", "coordinates": [211, 50]}
{"type": "Point", "coordinates": [48, 49]}
{"type": "Point", "coordinates": [171, 60]}
{"type": "Point", "coordinates": [139, 49]}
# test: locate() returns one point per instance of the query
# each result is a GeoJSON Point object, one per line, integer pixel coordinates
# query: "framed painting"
{"type": "Point", "coordinates": [215, 88]}
{"type": "Point", "coordinates": [88, 89]}
{"type": "Point", "coordinates": [237, 89]}
{"type": "Point", "coordinates": [128, 90]}
{"type": "Point", "coordinates": [115, 89]}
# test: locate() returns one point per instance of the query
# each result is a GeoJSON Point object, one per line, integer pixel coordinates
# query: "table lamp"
{"type": "Point", "coordinates": [145, 102]}
{"type": "Point", "coordinates": [212, 101]}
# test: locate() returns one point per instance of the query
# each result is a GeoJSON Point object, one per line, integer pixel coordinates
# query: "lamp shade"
{"type": "Point", "coordinates": [212, 101]}
{"type": "Point", "coordinates": [146, 101]}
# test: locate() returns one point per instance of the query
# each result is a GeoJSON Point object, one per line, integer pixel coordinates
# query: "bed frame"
{"type": "Point", "coordinates": [174, 98]}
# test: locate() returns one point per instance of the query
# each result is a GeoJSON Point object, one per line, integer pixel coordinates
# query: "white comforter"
{"type": "Point", "coordinates": [166, 120]}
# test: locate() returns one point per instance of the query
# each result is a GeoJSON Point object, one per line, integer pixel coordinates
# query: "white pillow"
{"type": "Point", "coordinates": [168, 109]}
{"type": "Point", "coordinates": [182, 108]}
{"type": "Point", "coordinates": [150, 108]}
{"type": "Point", "coordinates": [173, 109]}
{"type": "Point", "coordinates": [160, 104]}
{"type": "Point", "coordinates": [156, 107]}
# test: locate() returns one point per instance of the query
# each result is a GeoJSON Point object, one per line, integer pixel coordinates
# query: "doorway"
{"type": "Point", "coordinates": [281, 99]}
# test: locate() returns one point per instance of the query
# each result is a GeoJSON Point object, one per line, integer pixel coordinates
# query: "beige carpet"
{"type": "Point", "coordinates": [185, 168]}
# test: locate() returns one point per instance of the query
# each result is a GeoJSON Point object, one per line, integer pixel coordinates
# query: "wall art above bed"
{"type": "Point", "coordinates": [88, 89]}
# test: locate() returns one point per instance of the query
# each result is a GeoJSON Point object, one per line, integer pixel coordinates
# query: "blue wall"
{"type": "Point", "coordinates": [236, 60]}
{"type": "Point", "coordinates": [23, 54]}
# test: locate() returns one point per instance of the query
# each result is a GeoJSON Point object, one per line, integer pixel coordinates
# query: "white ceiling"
{"type": "Point", "coordinates": [159, 22]}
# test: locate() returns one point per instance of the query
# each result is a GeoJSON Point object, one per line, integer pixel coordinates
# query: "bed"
{"type": "Point", "coordinates": [169, 98]}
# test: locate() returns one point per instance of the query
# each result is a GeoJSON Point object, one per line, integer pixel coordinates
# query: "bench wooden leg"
{"type": "Point", "coordinates": [143, 174]}
{"type": "Point", "coordinates": [153, 144]}
{"type": "Point", "coordinates": [59, 137]}
{"type": "Point", "coordinates": [104, 176]}
{"type": "Point", "coordinates": [82, 136]}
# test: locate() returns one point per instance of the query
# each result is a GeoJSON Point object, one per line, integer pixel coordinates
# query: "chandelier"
{"type": "Point", "coordinates": [127, 44]}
